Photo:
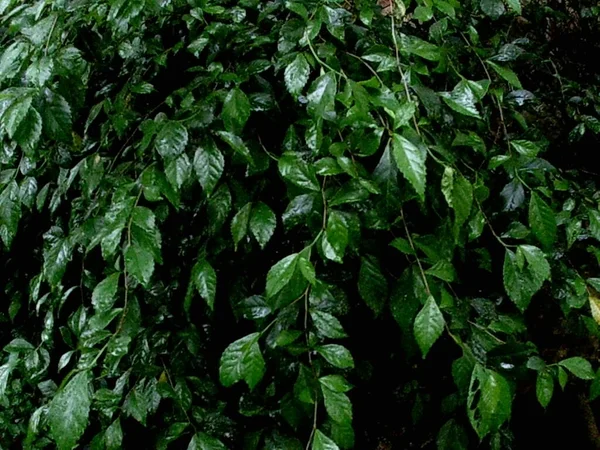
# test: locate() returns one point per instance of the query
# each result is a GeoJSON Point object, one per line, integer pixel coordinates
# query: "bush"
{"type": "Point", "coordinates": [297, 224]}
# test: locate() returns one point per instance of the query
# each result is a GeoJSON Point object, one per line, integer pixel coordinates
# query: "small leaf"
{"type": "Point", "coordinates": [237, 144]}
{"type": "Point", "coordinates": [57, 118]}
{"type": "Point", "coordinates": [205, 280]}
{"type": "Point", "coordinates": [542, 221]}
{"type": "Point", "coordinates": [113, 436]}
{"type": "Point", "coordinates": [296, 75]}
{"type": "Point", "coordinates": [239, 224]}
{"type": "Point", "coordinates": [103, 297]}
{"type": "Point", "coordinates": [15, 115]}
{"type": "Point", "coordinates": [507, 74]}
{"type": "Point", "coordinates": [335, 240]}
{"type": "Point", "coordinates": [242, 360]}
{"type": "Point", "coordinates": [236, 111]}
{"type": "Point", "coordinates": [280, 274]}
{"type": "Point", "coordinates": [452, 436]}
{"type": "Point", "coordinates": [262, 223]}
{"type": "Point", "coordinates": [579, 367]}
{"type": "Point", "coordinates": [544, 387]}
{"type": "Point", "coordinates": [139, 263]}
{"type": "Point", "coordinates": [336, 355]}
{"type": "Point", "coordinates": [429, 325]}
{"type": "Point", "coordinates": [69, 410]}
{"type": "Point", "coordinates": [372, 285]}
{"type": "Point", "coordinates": [410, 159]}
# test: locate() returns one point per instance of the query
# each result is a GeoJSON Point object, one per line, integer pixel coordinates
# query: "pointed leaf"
{"type": "Point", "coordinates": [103, 297]}
{"type": "Point", "coordinates": [242, 360]}
{"type": "Point", "coordinates": [410, 159]}
{"type": "Point", "coordinates": [139, 263]}
{"type": "Point", "coordinates": [205, 280]}
{"type": "Point", "coordinates": [296, 75]}
{"type": "Point", "coordinates": [236, 111]}
{"type": "Point", "coordinates": [542, 221]}
{"type": "Point", "coordinates": [208, 165]}
{"type": "Point", "coordinates": [171, 139]}
{"type": "Point", "coordinates": [69, 410]}
{"type": "Point", "coordinates": [429, 325]}
{"type": "Point", "coordinates": [372, 285]}
{"type": "Point", "coordinates": [280, 274]}
{"type": "Point", "coordinates": [262, 223]}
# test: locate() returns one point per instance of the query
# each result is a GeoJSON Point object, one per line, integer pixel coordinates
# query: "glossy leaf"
{"type": "Point", "coordinates": [242, 360]}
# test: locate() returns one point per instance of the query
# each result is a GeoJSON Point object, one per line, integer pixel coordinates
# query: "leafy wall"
{"type": "Point", "coordinates": [298, 224]}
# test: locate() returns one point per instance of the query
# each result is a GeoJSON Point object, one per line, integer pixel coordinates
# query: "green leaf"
{"type": "Point", "coordinates": [563, 377]}
{"type": "Point", "coordinates": [10, 213]}
{"type": "Point", "coordinates": [452, 436]}
{"type": "Point", "coordinates": [262, 223]}
{"type": "Point", "coordinates": [139, 263]}
{"type": "Point", "coordinates": [337, 404]}
{"type": "Point", "coordinates": [459, 195]}
{"type": "Point", "coordinates": [429, 325]}
{"type": "Point", "coordinates": [525, 148]}
{"type": "Point", "coordinates": [336, 355]}
{"type": "Point", "coordinates": [242, 360]}
{"type": "Point", "coordinates": [237, 144]}
{"type": "Point", "coordinates": [462, 99]}
{"type": "Point", "coordinates": [179, 171]}
{"type": "Point", "coordinates": [171, 140]}
{"type": "Point", "coordinates": [335, 239]}
{"type": "Point", "coordinates": [18, 345]}
{"type": "Point", "coordinates": [507, 74]}
{"type": "Point", "coordinates": [57, 118]}
{"type": "Point", "coordinates": [489, 400]}
{"type": "Point", "coordinates": [113, 436]}
{"type": "Point", "coordinates": [69, 410]}
{"type": "Point", "coordinates": [15, 114]}
{"type": "Point", "coordinates": [208, 165]}
{"type": "Point", "coordinates": [321, 96]}
{"type": "Point", "coordinates": [579, 367]}
{"type": "Point", "coordinates": [515, 6]}
{"type": "Point", "coordinates": [410, 159]}
{"type": "Point", "coordinates": [336, 383]}
{"type": "Point", "coordinates": [203, 441]}
{"type": "Point", "coordinates": [29, 131]}
{"type": "Point", "coordinates": [522, 282]}
{"type": "Point", "coordinates": [307, 269]}
{"type": "Point", "coordinates": [296, 75]}
{"type": "Point", "coordinates": [295, 170]}
{"type": "Point", "coordinates": [494, 9]}
{"type": "Point", "coordinates": [103, 297]}
{"type": "Point", "coordinates": [372, 285]}
{"type": "Point", "coordinates": [239, 224]}
{"type": "Point", "coordinates": [280, 274]}
{"type": "Point", "coordinates": [542, 221]}
{"type": "Point", "coordinates": [236, 111]}
{"type": "Point", "coordinates": [544, 387]}
{"type": "Point", "coordinates": [443, 270]}
{"type": "Point", "coordinates": [205, 280]}
{"type": "Point", "coordinates": [327, 325]}
{"type": "Point", "coordinates": [12, 58]}
{"type": "Point", "coordinates": [414, 45]}
{"type": "Point", "coordinates": [322, 442]}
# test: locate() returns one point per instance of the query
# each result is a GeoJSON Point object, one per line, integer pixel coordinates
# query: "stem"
{"type": "Point", "coordinates": [412, 246]}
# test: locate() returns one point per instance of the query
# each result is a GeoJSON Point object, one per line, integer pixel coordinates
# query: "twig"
{"type": "Point", "coordinates": [412, 246]}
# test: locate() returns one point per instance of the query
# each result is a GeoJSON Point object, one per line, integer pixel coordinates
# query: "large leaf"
{"type": "Point", "coordinates": [337, 404]}
{"type": "Point", "coordinates": [429, 325]}
{"type": "Point", "coordinates": [522, 281]}
{"type": "Point", "coordinates": [57, 117]}
{"type": "Point", "coordinates": [10, 213]}
{"type": "Point", "coordinates": [410, 159]}
{"type": "Point", "coordinates": [69, 410]}
{"type": "Point", "coordinates": [336, 355]}
{"type": "Point", "coordinates": [489, 400]}
{"type": "Point", "coordinates": [242, 360]}
{"type": "Point", "coordinates": [298, 172]}
{"type": "Point", "coordinates": [462, 99]}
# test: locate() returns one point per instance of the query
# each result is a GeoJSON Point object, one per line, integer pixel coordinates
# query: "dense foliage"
{"type": "Point", "coordinates": [298, 224]}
